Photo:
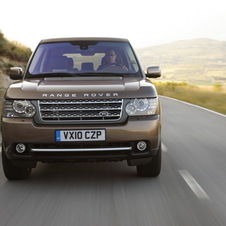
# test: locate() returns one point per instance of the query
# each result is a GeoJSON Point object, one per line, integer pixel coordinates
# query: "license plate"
{"type": "Point", "coordinates": [80, 135]}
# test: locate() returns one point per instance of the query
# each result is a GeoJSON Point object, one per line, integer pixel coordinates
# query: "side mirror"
{"type": "Point", "coordinates": [16, 73]}
{"type": "Point", "coordinates": [153, 72]}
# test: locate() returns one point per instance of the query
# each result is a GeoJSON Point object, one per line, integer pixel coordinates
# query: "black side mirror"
{"type": "Point", "coordinates": [153, 72]}
{"type": "Point", "coordinates": [16, 73]}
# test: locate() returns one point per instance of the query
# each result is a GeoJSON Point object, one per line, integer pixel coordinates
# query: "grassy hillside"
{"type": "Point", "coordinates": [199, 61]}
{"type": "Point", "coordinates": [13, 50]}
{"type": "Point", "coordinates": [11, 54]}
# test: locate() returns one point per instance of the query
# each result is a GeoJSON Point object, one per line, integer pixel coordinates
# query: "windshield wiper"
{"type": "Point", "coordinates": [86, 74]}
{"type": "Point", "coordinates": [66, 74]}
{"type": "Point", "coordinates": [100, 74]}
{"type": "Point", "coordinates": [111, 74]}
{"type": "Point", "coordinates": [52, 74]}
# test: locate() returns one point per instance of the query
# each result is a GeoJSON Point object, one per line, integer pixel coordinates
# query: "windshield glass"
{"type": "Point", "coordinates": [83, 58]}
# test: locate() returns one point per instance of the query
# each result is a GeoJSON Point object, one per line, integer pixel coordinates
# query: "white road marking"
{"type": "Point", "coordinates": [164, 148]}
{"type": "Point", "coordinates": [193, 184]}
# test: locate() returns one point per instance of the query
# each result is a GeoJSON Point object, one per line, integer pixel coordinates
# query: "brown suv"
{"type": "Point", "coordinates": [81, 99]}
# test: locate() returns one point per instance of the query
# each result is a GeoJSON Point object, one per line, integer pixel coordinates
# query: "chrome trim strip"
{"type": "Point", "coordinates": [68, 102]}
{"type": "Point", "coordinates": [80, 149]}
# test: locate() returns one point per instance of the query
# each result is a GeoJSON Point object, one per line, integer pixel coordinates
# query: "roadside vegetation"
{"type": "Point", "coordinates": [11, 54]}
{"type": "Point", "coordinates": [211, 97]}
{"type": "Point", "coordinates": [13, 50]}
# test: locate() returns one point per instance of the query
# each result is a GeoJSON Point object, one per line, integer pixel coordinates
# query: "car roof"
{"type": "Point", "coordinates": [54, 40]}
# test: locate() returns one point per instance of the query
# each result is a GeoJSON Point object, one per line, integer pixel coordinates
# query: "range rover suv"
{"type": "Point", "coordinates": [81, 99]}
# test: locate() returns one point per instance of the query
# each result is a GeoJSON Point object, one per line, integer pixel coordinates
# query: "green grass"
{"type": "Point", "coordinates": [213, 99]}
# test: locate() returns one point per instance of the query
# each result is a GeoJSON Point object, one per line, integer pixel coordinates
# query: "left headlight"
{"type": "Point", "coordinates": [18, 108]}
{"type": "Point", "coordinates": [144, 106]}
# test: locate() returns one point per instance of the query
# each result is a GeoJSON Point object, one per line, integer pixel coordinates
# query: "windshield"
{"type": "Point", "coordinates": [83, 58]}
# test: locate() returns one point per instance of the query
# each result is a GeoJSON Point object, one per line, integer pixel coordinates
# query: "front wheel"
{"type": "Point", "coordinates": [12, 172]}
{"type": "Point", "coordinates": [153, 168]}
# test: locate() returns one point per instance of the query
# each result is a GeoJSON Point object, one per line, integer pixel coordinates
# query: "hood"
{"type": "Point", "coordinates": [102, 87]}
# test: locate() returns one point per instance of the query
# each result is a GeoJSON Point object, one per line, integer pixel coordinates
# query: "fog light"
{"type": "Point", "coordinates": [20, 148]}
{"type": "Point", "coordinates": [141, 145]}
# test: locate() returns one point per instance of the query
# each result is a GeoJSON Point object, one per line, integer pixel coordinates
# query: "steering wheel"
{"type": "Point", "coordinates": [112, 64]}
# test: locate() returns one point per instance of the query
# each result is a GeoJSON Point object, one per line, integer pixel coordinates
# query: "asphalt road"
{"type": "Point", "coordinates": [191, 189]}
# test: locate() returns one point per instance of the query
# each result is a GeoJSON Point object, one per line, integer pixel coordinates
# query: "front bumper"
{"type": "Point", "coordinates": [120, 143]}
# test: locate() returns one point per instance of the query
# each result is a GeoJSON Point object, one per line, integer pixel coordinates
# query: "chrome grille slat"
{"type": "Point", "coordinates": [80, 110]}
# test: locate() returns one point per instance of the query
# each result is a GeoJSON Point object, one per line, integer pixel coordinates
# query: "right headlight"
{"type": "Point", "coordinates": [19, 108]}
{"type": "Point", "coordinates": [145, 106]}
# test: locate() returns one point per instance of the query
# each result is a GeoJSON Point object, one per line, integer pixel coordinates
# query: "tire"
{"type": "Point", "coordinates": [153, 168]}
{"type": "Point", "coordinates": [12, 172]}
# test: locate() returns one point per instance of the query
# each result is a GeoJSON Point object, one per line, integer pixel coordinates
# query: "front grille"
{"type": "Point", "coordinates": [80, 110]}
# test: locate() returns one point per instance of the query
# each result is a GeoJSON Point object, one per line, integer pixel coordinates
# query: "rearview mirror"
{"type": "Point", "coordinates": [153, 72]}
{"type": "Point", "coordinates": [16, 73]}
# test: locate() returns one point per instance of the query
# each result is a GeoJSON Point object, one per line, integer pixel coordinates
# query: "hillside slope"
{"type": "Point", "coordinates": [11, 54]}
{"type": "Point", "coordinates": [199, 61]}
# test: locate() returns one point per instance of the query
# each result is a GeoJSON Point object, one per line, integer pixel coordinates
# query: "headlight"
{"type": "Point", "coordinates": [18, 108]}
{"type": "Point", "coordinates": [142, 107]}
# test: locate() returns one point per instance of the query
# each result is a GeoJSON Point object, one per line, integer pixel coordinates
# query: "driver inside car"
{"type": "Point", "coordinates": [110, 59]}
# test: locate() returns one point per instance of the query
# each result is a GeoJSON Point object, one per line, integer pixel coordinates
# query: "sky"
{"type": "Point", "coordinates": [144, 22]}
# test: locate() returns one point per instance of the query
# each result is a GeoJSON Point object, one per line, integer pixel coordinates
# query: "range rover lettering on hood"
{"type": "Point", "coordinates": [73, 95]}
